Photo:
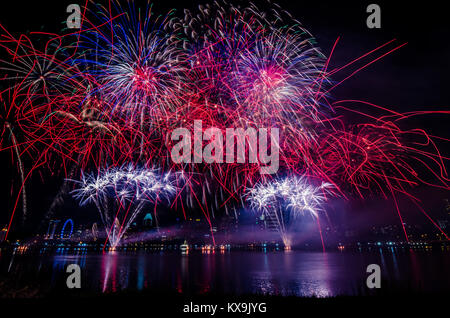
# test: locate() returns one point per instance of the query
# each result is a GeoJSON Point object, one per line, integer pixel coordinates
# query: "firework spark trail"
{"type": "Point", "coordinates": [9, 138]}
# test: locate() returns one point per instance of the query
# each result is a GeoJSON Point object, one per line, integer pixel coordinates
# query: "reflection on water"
{"type": "Point", "coordinates": [274, 273]}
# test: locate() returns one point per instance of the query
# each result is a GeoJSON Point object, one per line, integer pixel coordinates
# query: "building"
{"type": "Point", "coordinates": [3, 233]}
{"type": "Point", "coordinates": [52, 225]}
{"type": "Point", "coordinates": [148, 221]}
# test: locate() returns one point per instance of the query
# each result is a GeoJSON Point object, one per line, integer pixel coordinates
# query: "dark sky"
{"type": "Point", "coordinates": [412, 78]}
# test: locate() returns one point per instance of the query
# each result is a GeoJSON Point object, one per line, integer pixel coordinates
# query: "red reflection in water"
{"type": "Point", "coordinates": [109, 269]}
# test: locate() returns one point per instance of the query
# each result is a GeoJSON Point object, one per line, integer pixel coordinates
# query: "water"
{"type": "Point", "coordinates": [297, 273]}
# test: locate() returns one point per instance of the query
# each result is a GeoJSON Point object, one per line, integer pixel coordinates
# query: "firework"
{"type": "Point", "coordinates": [120, 195]}
{"type": "Point", "coordinates": [40, 66]}
{"type": "Point", "coordinates": [251, 71]}
{"type": "Point", "coordinates": [247, 70]}
{"type": "Point", "coordinates": [135, 65]}
{"type": "Point", "coordinates": [112, 92]}
{"type": "Point", "coordinates": [280, 199]}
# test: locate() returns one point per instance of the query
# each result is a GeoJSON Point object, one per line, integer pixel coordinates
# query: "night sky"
{"type": "Point", "coordinates": [412, 78]}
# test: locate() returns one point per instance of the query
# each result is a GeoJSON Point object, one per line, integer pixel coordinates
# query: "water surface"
{"type": "Point", "coordinates": [297, 273]}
